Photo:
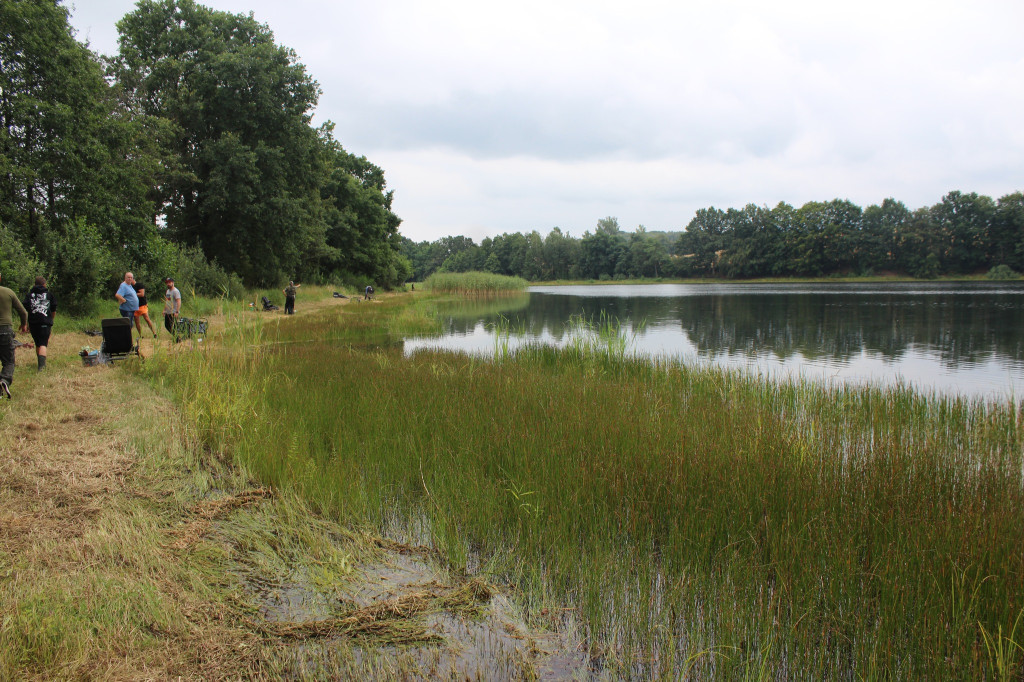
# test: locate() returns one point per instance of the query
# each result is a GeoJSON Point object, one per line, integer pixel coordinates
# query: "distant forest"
{"type": "Point", "coordinates": [963, 234]}
{"type": "Point", "coordinates": [189, 153]}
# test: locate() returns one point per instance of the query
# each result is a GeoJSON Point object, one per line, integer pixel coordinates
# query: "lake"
{"type": "Point", "coordinates": [953, 338]}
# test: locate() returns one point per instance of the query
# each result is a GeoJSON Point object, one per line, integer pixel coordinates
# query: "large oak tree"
{"type": "Point", "coordinates": [249, 166]}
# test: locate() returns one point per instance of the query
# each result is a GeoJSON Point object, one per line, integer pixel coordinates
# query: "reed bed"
{"type": "Point", "coordinates": [474, 283]}
{"type": "Point", "coordinates": [689, 522]}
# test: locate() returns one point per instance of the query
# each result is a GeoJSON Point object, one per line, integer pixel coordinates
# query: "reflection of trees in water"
{"type": "Point", "coordinates": [548, 314]}
{"type": "Point", "coordinates": [958, 327]}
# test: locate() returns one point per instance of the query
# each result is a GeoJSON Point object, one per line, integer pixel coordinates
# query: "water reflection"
{"type": "Point", "coordinates": [955, 338]}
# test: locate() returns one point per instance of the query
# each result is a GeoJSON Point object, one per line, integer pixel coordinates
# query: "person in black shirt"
{"type": "Point", "coordinates": [41, 308]}
{"type": "Point", "coordinates": [289, 298]}
{"type": "Point", "coordinates": [143, 311]}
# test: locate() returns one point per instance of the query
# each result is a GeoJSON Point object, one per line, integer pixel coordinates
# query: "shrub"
{"type": "Point", "coordinates": [79, 265]}
{"type": "Point", "coordinates": [1002, 272]}
{"type": "Point", "coordinates": [18, 265]}
{"type": "Point", "coordinates": [928, 268]}
{"type": "Point", "coordinates": [206, 277]}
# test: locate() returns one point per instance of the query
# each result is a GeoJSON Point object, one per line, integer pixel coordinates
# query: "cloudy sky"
{"type": "Point", "coordinates": [502, 117]}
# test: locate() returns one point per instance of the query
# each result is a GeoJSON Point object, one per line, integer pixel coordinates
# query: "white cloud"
{"type": "Point", "coordinates": [491, 118]}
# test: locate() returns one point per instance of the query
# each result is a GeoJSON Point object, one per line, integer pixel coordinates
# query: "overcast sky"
{"type": "Point", "coordinates": [508, 117]}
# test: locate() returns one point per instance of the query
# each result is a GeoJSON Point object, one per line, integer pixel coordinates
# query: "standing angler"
{"type": "Point", "coordinates": [41, 309]}
{"type": "Point", "coordinates": [289, 298]}
{"type": "Point", "coordinates": [172, 306]}
{"type": "Point", "coordinates": [128, 300]}
{"type": "Point", "coordinates": [9, 302]}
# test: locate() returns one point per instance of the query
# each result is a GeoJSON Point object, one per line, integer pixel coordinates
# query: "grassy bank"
{"type": "Point", "coordinates": [684, 521]}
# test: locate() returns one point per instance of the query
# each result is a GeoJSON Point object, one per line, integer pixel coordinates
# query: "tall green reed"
{"type": "Point", "coordinates": [696, 520]}
{"type": "Point", "coordinates": [504, 331]}
{"type": "Point", "coordinates": [603, 338]}
{"type": "Point", "coordinates": [474, 283]}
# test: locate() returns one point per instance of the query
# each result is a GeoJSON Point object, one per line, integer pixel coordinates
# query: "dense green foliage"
{"type": "Point", "coordinates": [245, 184]}
{"type": "Point", "coordinates": [690, 521]}
{"type": "Point", "coordinates": [74, 164]}
{"type": "Point", "coordinates": [190, 153]}
{"type": "Point", "coordinates": [963, 234]}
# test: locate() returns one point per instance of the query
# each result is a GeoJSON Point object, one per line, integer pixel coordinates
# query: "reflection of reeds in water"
{"type": "Point", "coordinates": [475, 308]}
{"type": "Point", "coordinates": [699, 522]}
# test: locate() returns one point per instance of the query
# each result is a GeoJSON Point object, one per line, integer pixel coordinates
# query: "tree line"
{"type": "Point", "coordinates": [191, 152]}
{"type": "Point", "coordinates": [965, 233]}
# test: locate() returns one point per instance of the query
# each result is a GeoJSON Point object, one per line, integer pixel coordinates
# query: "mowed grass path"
{"type": "Point", "coordinates": [130, 550]}
{"type": "Point", "coordinates": [685, 521]}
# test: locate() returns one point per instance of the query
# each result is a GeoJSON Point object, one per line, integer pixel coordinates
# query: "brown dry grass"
{"type": "Point", "coordinates": [86, 589]}
{"type": "Point", "coordinates": [58, 466]}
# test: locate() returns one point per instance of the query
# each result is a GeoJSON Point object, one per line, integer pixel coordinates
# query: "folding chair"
{"type": "Point", "coordinates": [118, 342]}
{"type": "Point", "coordinates": [267, 305]}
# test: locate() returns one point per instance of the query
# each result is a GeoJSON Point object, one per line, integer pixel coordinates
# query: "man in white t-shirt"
{"type": "Point", "coordinates": [172, 305]}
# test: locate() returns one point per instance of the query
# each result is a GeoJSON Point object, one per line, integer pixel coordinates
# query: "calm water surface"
{"type": "Point", "coordinates": [953, 338]}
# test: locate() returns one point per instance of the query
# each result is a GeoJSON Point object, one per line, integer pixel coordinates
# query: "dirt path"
{"type": "Point", "coordinates": [126, 552]}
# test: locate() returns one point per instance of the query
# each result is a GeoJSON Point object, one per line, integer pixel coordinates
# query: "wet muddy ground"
{"type": "Point", "coordinates": [451, 632]}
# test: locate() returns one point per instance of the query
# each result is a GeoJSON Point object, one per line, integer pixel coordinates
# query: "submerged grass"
{"type": "Point", "coordinates": [696, 521]}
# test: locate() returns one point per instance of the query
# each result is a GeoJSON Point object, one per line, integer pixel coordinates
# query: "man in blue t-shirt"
{"type": "Point", "coordinates": [127, 298]}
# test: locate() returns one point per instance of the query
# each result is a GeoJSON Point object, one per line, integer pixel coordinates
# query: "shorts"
{"type": "Point", "coordinates": [40, 334]}
{"type": "Point", "coordinates": [143, 310]}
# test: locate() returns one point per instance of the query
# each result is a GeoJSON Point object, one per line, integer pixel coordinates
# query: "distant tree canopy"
{"type": "Point", "coordinates": [191, 150]}
{"type": "Point", "coordinates": [962, 234]}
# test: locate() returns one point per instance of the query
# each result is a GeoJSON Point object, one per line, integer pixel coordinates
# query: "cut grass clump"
{"type": "Point", "coordinates": [395, 621]}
